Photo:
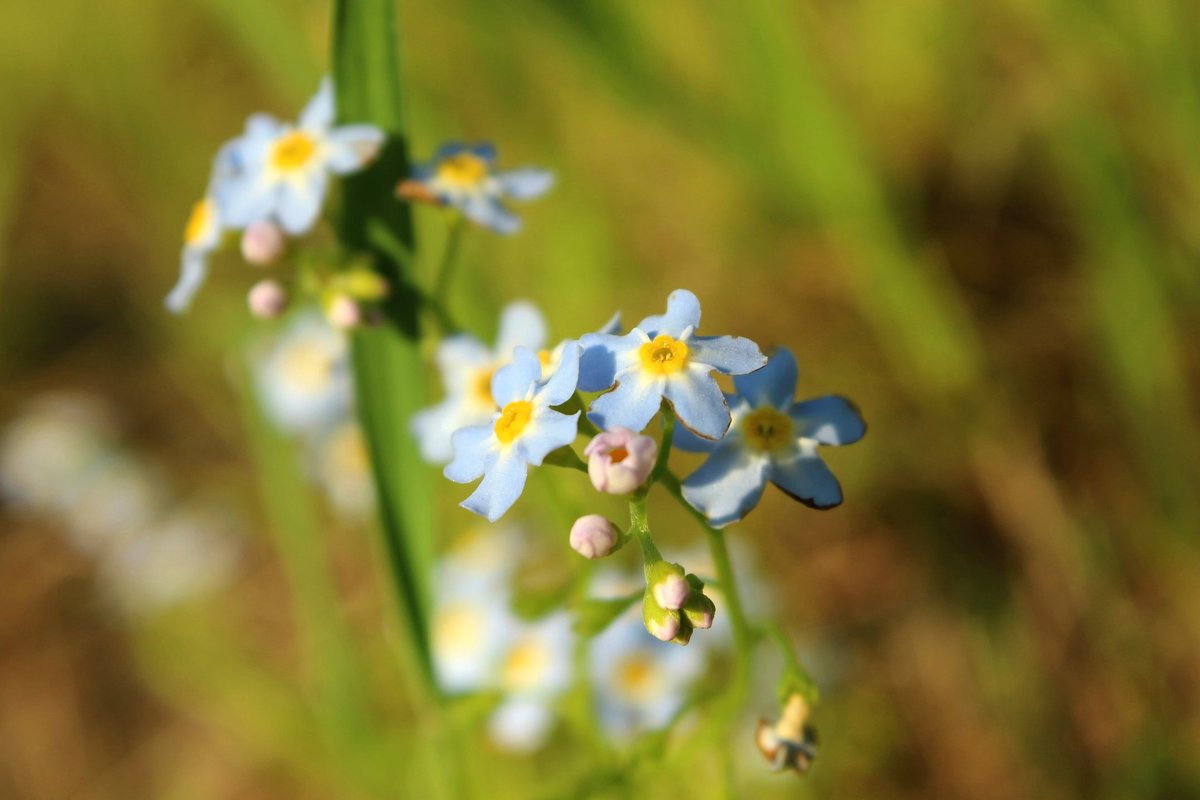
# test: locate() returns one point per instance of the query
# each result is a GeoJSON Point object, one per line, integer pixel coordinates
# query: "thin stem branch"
{"type": "Point", "coordinates": [445, 273]}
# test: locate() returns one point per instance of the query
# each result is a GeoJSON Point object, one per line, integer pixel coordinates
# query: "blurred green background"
{"type": "Point", "coordinates": [979, 220]}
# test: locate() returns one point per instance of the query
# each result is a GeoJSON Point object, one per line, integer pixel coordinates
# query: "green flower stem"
{"type": "Point", "coordinates": [639, 527]}
{"type": "Point", "coordinates": [445, 273]}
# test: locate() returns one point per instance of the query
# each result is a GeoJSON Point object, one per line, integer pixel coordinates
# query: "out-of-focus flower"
{"type": "Point", "coordinates": [663, 358]}
{"type": "Point", "coordinates": [303, 380]}
{"type": "Point", "coordinates": [188, 553]}
{"type": "Point", "coordinates": [344, 313]}
{"type": "Point", "coordinates": [592, 536]}
{"type": "Point", "coordinates": [619, 460]}
{"type": "Point", "coordinates": [467, 367]}
{"type": "Point", "coordinates": [789, 743]}
{"type": "Point", "coordinates": [281, 171]}
{"type": "Point", "coordinates": [50, 450]}
{"type": "Point", "coordinates": [771, 439]}
{"type": "Point", "coordinates": [639, 683]}
{"type": "Point", "coordinates": [522, 432]}
{"type": "Point", "coordinates": [201, 236]}
{"type": "Point", "coordinates": [267, 299]}
{"type": "Point", "coordinates": [534, 671]}
{"type": "Point", "coordinates": [344, 470]}
{"type": "Point", "coordinates": [471, 621]}
{"type": "Point", "coordinates": [465, 177]}
{"type": "Point", "coordinates": [263, 243]}
{"type": "Point", "coordinates": [118, 496]}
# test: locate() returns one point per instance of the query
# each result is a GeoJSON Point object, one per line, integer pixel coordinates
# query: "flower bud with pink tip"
{"type": "Point", "coordinates": [593, 536]}
{"type": "Point", "coordinates": [267, 299]}
{"type": "Point", "coordinates": [263, 243]}
{"type": "Point", "coordinates": [619, 460]}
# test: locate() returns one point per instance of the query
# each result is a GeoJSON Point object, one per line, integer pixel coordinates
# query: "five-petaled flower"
{"type": "Point", "coordinates": [664, 358]}
{"type": "Point", "coordinates": [465, 177]}
{"type": "Point", "coordinates": [522, 432]}
{"type": "Point", "coordinates": [280, 172]}
{"type": "Point", "coordinates": [771, 439]}
{"type": "Point", "coordinates": [467, 367]}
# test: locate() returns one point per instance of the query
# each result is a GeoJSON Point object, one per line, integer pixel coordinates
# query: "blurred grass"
{"type": "Point", "coordinates": [980, 221]}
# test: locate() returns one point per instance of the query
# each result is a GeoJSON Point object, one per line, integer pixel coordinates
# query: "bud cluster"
{"type": "Point", "coordinates": [674, 603]}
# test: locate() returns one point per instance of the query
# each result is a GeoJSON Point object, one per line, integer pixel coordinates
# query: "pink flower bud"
{"type": "Point", "coordinates": [267, 299]}
{"type": "Point", "coordinates": [344, 313]}
{"type": "Point", "coordinates": [263, 243]}
{"type": "Point", "coordinates": [619, 461]}
{"type": "Point", "coordinates": [671, 591]}
{"type": "Point", "coordinates": [660, 622]}
{"type": "Point", "coordinates": [593, 536]}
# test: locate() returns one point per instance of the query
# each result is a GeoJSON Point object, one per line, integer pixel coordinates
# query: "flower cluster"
{"type": "Point", "coordinates": [271, 183]}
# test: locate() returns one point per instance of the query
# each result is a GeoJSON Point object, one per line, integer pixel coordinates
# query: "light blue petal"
{"type": "Point", "coordinates": [431, 427]}
{"type": "Point", "coordinates": [603, 356]}
{"type": "Point", "coordinates": [319, 113]}
{"type": "Point", "coordinates": [683, 312]}
{"type": "Point", "coordinates": [502, 484]}
{"type": "Point", "coordinates": [689, 442]}
{"type": "Point", "coordinates": [488, 212]}
{"type": "Point", "coordinates": [773, 385]}
{"type": "Point", "coordinates": [513, 381]}
{"type": "Point", "coordinates": [548, 432]}
{"type": "Point", "coordinates": [471, 453]}
{"type": "Point", "coordinates": [808, 480]}
{"type": "Point", "coordinates": [193, 271]}
{"type": "Point", "coordinates": [446, 150]}
{"type": "Point", "coordinates": [728, 485]}
{"type": "Point", "coordinates": [613, 326]}
{"type": "Point", "coordinates": [521, 325]}
{"type": "Point", "coordinates": [698, 402]}
{"type": "Point", "coordinates": [485, 150]}
{"type": "Point", "coordinates": [300, 204]}
{"type": "Point", "coordinates": [525, 184]}
{"type": "Point", "coordinates": [631, 405]}
{"type": "Point", "coordinates": [561, 385]}
{"type": "Point", "coordinates": [831, 419]}
{"type": "Point", "coordinates": [349, 148]}
{"type": "Point", "coordinates": [733, 355]}
{"type": "Point", "coordinates": [262, 128]}
{"type": "Point", "coordinates": [244, 200]}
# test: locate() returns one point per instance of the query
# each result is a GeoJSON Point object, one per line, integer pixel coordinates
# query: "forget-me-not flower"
{"type": "Point", "coordinates": [467, 367]}
{"type": "Point", "coordinates": [465, 177]}
{"type": "Point", "coordinates": [303, 380]}
{"type": "Point", "coordinates": [533, 673]}
{"type": "Point", "coordinates": [664, 358]}
{"type": "Point", "coordinates": [771, 439]}
{"type": "Point", "coordinates": [201, 236]}
{"type": "Point", "coordinates": [522, 432]}
{"type": "Point", "coordinates": [280, 172]}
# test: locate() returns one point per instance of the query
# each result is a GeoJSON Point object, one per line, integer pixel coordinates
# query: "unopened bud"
{"type": "Point", "coordinates": [699, 610]}
{"type": "Point", "coordinates": [593, 536]}
{"type": "Point", "coordinates": [685, 632]}
{"type": "Point", "coordinates": [669, 585]}
{"type": "Point", "coordinates": [619, 460]}
{"type": "Point", "coordinates": [267, 299]}
{"type": "Point", "coordinates": [263, 243]}
{"type": "Point", "coordinates": [662, 623]}
{"type": "Point", "coordinates": [344, 313]}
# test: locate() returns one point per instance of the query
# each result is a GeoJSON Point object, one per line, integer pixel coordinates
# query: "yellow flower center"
{"type": "Point", "coordinates": [636, 677]}
{"type": "Point", "coordinates": [767, 429]}
{"type": "Point", "coordinates": [663, 356]}
{"type": "Point", "coordinates": [525, 666]}
{"type": "Point", "coordinates": [513, 419]}
{"type": "Point", "coordinates": [307, 366]}
{"type": "Point", "coordinates": [463, 170]}
{"type": "Point", "coordinates": [458, 629]}
{"type": "Point", "coordinates": [292, 151]}
{"type": "Point", "coordinates": [481, 387]}
{"type": "Point", "coordinates": [544, 357]}
{"type": "Point", "coordinates": [198, 221]}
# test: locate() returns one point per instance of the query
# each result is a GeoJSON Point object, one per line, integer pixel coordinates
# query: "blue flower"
{"type": "Point", "coordinates": [280, 172]}
{"type": "Point", "coordinates": [771, 439]}
{"type": "Point", "coordinates": [522, 432]}
{"type": "Point", "coordinates": [464, 177]}
{"type": "Point", "coordinates": [467, 367]}
{"type": "Point", "coordinates": [201, 236]}
{"type": "Point", "coordinates": [663, 358]}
